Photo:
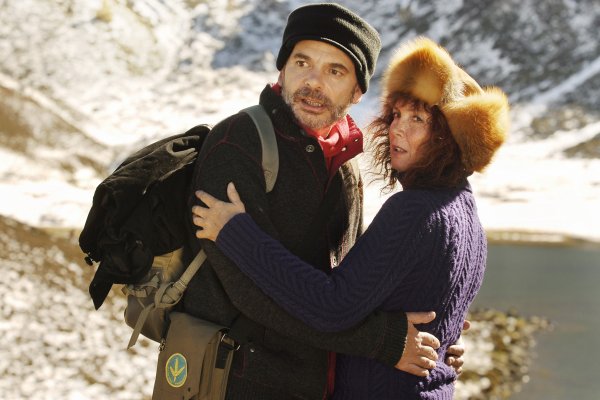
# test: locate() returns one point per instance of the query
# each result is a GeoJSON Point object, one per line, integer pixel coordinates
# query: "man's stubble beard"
{"type": "Point", "coordinates": [336, 112]}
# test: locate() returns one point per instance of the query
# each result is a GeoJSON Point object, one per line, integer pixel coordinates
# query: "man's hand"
{"type": "Point", "coordinates": [455, 353]}
{"type": "Point", "coordinates": [419, 352]}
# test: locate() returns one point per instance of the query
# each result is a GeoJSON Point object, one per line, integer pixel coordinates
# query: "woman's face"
{"type": "Point", "coordinates": [410, 128]}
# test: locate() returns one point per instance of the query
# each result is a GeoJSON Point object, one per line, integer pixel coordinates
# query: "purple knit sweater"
{"type": "Point", "coordinates": [425, 250]}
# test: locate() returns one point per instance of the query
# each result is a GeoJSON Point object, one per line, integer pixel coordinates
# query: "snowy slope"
{"type": "Point", "coordinates": [123, 73]}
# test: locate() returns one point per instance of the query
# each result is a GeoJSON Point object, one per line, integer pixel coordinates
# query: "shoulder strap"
{"type": "Point", "coordinates": [270, 162]}
{"type": "Point", "coordinates": [270, 154]}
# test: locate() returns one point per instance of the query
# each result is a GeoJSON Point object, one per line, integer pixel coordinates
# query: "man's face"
{"type": "Point", "coordinates": [319, 83]}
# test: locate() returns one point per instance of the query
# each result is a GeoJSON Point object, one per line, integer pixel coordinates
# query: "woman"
{"type": "Point", "coordinates": [424, 250]}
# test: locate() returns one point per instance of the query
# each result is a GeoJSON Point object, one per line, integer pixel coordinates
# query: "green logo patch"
{"type": "Point", "coordinates": [176, 370]}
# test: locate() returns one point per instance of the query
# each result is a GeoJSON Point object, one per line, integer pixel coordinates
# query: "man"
{"type": "Point", "coordinates": [326, 59]}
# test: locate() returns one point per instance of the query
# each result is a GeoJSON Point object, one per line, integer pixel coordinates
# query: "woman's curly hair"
{"type": "Point", "coordinates": [440, 163]}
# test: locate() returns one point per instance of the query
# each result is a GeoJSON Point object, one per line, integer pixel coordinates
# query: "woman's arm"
{"type": "Point", "coordinates": [376, 265]}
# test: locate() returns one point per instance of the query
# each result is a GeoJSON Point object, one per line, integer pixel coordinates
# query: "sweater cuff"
{"type": "Point", "coordinates": [394, 339]}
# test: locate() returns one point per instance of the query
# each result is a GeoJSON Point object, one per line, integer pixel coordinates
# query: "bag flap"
{"type": "Point", "coordinates": [180, 363]}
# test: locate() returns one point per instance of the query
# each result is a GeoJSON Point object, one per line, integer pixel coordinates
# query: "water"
{"type": "Point", "coordinates": [561, 284]}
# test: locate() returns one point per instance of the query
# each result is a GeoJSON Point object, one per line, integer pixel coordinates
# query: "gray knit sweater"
{"type": "Point", "coordinates": [425, 250]}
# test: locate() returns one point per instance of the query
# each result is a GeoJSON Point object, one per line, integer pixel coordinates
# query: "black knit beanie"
{"type": "Point", "coordinates": [338, 26]}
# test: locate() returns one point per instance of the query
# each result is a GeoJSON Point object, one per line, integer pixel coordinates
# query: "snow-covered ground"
{"type": "Point", "coordinates": [55, 345]}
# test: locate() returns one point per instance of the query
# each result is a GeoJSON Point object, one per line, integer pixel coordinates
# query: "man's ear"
{"type": "Point", "coordinates": [280, 77]}
{"type": "Point", "coordinates": [357, 95]}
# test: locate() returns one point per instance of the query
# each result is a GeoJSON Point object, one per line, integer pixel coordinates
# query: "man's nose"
{"type": "Point", "coordinates": [313, 79]}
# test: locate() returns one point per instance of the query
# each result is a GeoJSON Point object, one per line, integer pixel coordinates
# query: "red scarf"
{"type": "Point", "coordinates": [333, 144]}
{"type": "Point", "coordinates": [344, 141]}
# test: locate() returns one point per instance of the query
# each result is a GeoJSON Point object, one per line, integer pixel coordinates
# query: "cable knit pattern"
{"type": "Point", "coordinates": [425, 250]}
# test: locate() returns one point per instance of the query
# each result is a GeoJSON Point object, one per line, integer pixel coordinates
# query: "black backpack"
{"type": "Point", "coordinates": [138, 213]}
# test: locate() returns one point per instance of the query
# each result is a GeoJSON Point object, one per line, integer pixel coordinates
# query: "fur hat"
{"type": "Point", "coordinates": [478, 117]}
{"type": "Point", "coordinates": [336, 25]}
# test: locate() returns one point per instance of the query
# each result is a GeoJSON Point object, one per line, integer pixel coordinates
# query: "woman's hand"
{"type": "Point", "coordinates": [216, 214]}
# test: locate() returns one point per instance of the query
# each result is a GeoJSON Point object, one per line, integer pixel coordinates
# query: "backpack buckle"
{"type": "Point", "coordinates": [229, 343]}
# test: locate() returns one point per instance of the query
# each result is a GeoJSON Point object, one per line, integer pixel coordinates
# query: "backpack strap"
{"type": "Point", "coordinates": [270, 154]}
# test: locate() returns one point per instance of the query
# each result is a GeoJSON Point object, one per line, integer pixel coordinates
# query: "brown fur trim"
{"type": "Point", "coordinates": [424, 70]}
{"type": "Point", "coordinates": [479, 124]}
{"type": "Point", "coordinates": [478, 118]}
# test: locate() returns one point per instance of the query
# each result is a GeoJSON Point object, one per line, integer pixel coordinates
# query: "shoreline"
{"type": "Point", "coordinates": [499, 347]}
{"type": "Point", "coordinates": [494, 236]}
{"type": "Point", "coordinates": [539, 238]}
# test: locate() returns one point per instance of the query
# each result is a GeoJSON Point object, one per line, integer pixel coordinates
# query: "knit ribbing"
{"type": "Point", "coordinates": [424, 251]}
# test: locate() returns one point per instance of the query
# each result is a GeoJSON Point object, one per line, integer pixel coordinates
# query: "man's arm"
{"type": "Point", "coordinates": [456, 352]}
{"type": "Point", "coordinates": [381, 335]}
